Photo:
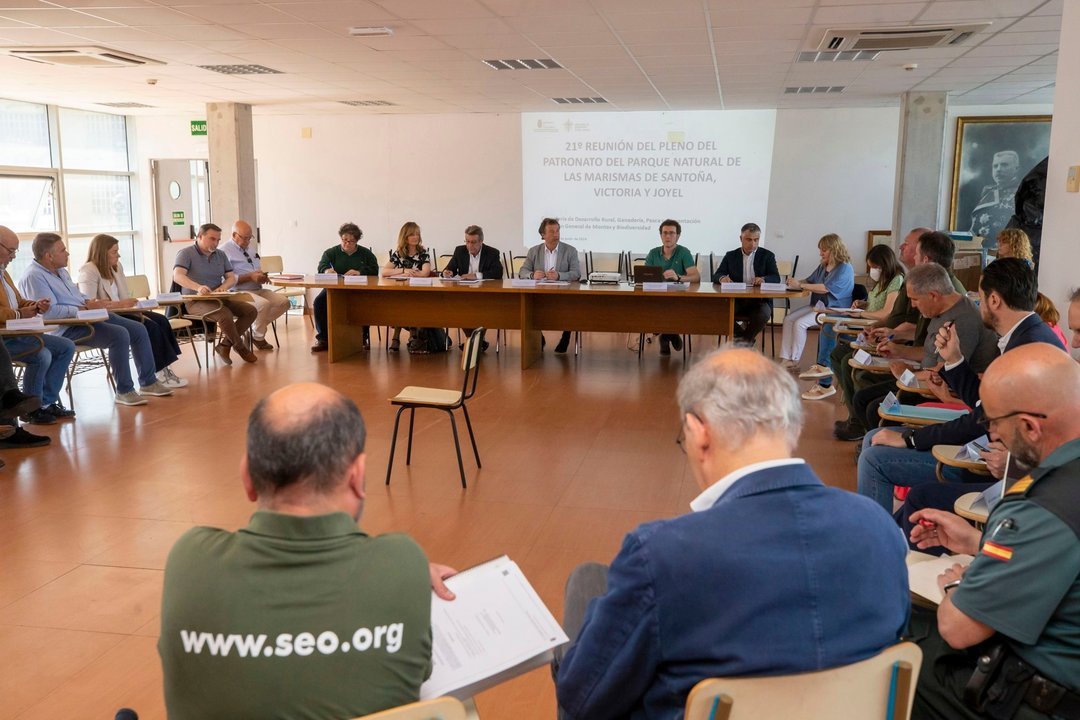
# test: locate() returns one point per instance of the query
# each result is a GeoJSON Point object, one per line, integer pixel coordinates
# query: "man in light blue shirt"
{"type": "Point", "coordinates": [269, 305]}
{"type": "Point", "coordinates": [47, 277]}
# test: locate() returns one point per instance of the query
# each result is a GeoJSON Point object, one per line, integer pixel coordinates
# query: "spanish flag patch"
{"type": "Point", "coordinates": [998, 552]}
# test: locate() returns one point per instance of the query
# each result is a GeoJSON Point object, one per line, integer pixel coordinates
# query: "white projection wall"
{"type": "Point", "coordinates": [611, 178]}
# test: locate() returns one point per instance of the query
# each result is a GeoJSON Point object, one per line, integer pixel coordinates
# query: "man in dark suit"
{"type": "Point", "coordinates": [475, 261]}
{"type": "Point", "coordinates": [762, 578]}
{"type": "Point", "coordinates": [753, 265]}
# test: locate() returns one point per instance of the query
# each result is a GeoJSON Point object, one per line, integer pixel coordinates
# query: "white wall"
{"type": "Point", "coordinates": [1059, 264]}
{"type": "Point", "coordinates": [833, 171]}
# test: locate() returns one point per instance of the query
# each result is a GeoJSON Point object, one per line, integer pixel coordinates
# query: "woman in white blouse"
{"type": "Point", "coordinates": [102, 277]}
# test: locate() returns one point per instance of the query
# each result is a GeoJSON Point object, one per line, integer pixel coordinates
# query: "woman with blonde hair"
{"type": "Point", "coordinates": [1048, 312]}
{"type": "Point", "coordinates": [1014, 242]}
{"type": "Point", "coordinates": [830, 285]}
{"type": "Point", "coordinates": [408, 259]}
{"type": "Point", "coordinates": [102, 277]}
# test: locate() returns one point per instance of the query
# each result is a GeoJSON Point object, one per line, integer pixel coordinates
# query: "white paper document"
{"type": "Point", "coordinates": [732, 286]}
{"type": "Point", "coordinates": [552, 283]}
{"type": "Point", "coordinates": [773, 287]}
{"type": "Point", "coordinates": [147, 304]}
{"type": "Point", "coordinates": [169, 297]}
{"type": "Point", "coordinates": [424, 281]}
{"type": "Point", "coordinates": [496, 628]}
{"type": "Point", "coordinates": [923, 573]}
{"type": "Point", "coordinates": [654, 286]}
{"type": "Point", "coordinates": [522, 283]}
{"type": "Point", "coordinates": [30, 323]}
{"type": "Point", "coordinates": [326, 277]}
{"type": "Point", "coordinates": [95, 314]}
{"type": "Point", "coordinates": [355, 279]}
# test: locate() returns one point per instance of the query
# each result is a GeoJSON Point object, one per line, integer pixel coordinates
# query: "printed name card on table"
{"type": "Point", "coordinates": [30, 323]}
{"type": "Point", "coordinates": [654, 286]}
{"type": "Point", "coordinates": [428, 281]}
{"type": "Point", "coordinates": [146, 304]}
{"type": "Point", "coordinates": [522, 283]}
{"type": "Point", "coordinates": [774, 287]}
{"type": "Point", "coordinates": [97, 314]}
{"type": "Point", "coordinates": [891, 403]}
{"type": "Point", "coordinates": [356, 279]}
{"type": "Point", "coordinates": [972, 449]}
{"type": "Point", "coordinates": [169, 297]}
{"type": "Point", "coordinates": [862, 357]}
{"type": "Point", "coordinates": [732, 286]}
{"type": "Point", "coordinates": [908, 379]}
{"type": "Point", "coordinates": [326, 277]}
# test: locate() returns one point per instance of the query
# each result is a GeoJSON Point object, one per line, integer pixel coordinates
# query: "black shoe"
{"type": "Point", "coordinates": [850, 433]}
{"type": "Point", "coordinates": [665, 346]}
{"type": "Point", "coordinates": [58, 411]}
{"type": "Point", "coordinates": [484, 345]}
{"type": "Point", "coordinates": [15, 403]}
{"type": "Point", "coordinates": [23, 439]}
{"type": "Point", "coordinates": [126, 714]}
{"type": "Point", "coordinates": [676, 343]}
{"type": "Point", "coordinates": [39, 417]}
{"type": "Point", "coordinates": [839, 425]}
{"type": "Point", "coordinates": [564, 343]}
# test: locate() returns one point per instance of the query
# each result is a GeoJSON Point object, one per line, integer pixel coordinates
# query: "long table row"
{"type": "Point", "coordinates": [699, 309]}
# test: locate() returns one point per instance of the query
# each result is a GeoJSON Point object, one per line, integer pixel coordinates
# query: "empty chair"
{"type": "Point", "coordinates": [448, 401]}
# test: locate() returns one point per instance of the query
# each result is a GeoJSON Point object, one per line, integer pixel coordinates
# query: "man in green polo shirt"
{"type": "Point", "coordinates": [299, 614]}
{"type": "Point", "coordinates": [1014, 612]}
{"type": "Point", "coordinates": [678, 265]}
{"type": "Point", "coordinates": [347, 258]}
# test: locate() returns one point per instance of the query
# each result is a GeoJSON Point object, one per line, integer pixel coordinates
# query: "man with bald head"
{"type": "Point", "coordinates": [1018, 602]}
{"type": "Point", "coordinates": [300, 613]}
{"type": "Point", "coordinates": [269, 305]}
{"type": "Point", "coordinates": [766, 553]}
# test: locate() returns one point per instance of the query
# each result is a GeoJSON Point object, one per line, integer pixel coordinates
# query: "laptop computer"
{"type": "Point", "coordinates": [648, 273]}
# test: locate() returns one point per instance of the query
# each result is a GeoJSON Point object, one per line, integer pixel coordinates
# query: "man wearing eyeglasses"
{"type": "Point", "coordinates": [1007, 292]}
{"type": "Point", "coordinates": [1004, 642]}
{"type": "Point", "coordinates": [246, 264]}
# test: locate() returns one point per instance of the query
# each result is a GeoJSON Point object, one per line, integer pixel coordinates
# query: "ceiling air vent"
{"type": "Point", "coordinates": [89, 56]}
{"type": "Point", "coordinates": [829, 56]}
{"type": "Point", "coordinates": [580, 100]}
{"type": "Point", "coordinates": [366, 103]}
{"type": "Point", "coordinates": [242, 69]}
{"type": "Point", "coordinates": [539, 64]}
{"type": "Point", "coordinates": [813, 89]}
{"type": "Point", "coordinates": [913, 37]}
{"type": "Point", "coordinates": [124, 105]}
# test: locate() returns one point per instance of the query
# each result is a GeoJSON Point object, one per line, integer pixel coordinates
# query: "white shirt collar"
{"type": "Point", "coordinates": [714, 492]}
{"type": "Point", "coordinates": [1003, 341]}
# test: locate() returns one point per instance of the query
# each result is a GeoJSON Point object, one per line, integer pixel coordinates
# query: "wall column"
{"type": "Point", "coordinates": [919, 159]}
{"type": "Point", "coordinates": [232, 164]}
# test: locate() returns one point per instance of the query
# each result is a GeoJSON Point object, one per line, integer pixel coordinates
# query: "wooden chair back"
{"type": "Point", "coordinates": [138, 286]}
{"type": "Point", "coordinates": [878, 688]}
{"type": "Point", "coordinates": [443, 708]}
{"type": "Point", "coordinates": [272, 264]}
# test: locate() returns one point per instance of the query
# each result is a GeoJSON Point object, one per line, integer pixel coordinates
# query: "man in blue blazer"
{"type": "Point", "coordinates": [734, 267]}
{"type": "Point", "coordinates": [1007, 293]}
{"type": "Point", "coordinates": [552, 260]}
{"type": "Point", "coordinates": [761, 579]}
{"type": "Point", "coordinates": [474, 260]}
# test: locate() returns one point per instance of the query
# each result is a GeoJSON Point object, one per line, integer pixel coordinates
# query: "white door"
{"type": "Point", "coordinates": [182, 204]}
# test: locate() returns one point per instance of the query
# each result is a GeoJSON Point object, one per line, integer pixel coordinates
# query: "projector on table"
{"type": "Point", "coordinates": [605, 278]}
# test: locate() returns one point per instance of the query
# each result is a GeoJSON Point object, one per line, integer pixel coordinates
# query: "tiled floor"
{"type": "Point", "coordinates": [576, 452]}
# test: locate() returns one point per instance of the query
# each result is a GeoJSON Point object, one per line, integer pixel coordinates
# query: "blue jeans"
{"type": "Point", "coordinates": [163, 342]}
{"type": "Point", "coordinates": [825, 343]}
{"type": "Point", "coordinates": [120, 335]}
{"type": "Point", "coordinates": [46, 369]}
{"type": "Point", "coordinates": [882, 467]}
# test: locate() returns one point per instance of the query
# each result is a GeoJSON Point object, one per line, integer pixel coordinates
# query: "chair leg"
{"type": "Point", "coordinates": [472, 438]}
{"type": "Point", "coordinates": [273, 326]}
{"type": "Point", "coordinates": [393, 445]}
{"type": "Point", "coordinates": [457, 447]}
{"type": "Point", "coordinates": [640, 344]}
{"type": "Point", "coordinates": [412, 416]}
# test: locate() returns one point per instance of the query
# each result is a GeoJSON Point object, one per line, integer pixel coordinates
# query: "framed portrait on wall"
{"type": "Point", "coordinates": [992, 156]}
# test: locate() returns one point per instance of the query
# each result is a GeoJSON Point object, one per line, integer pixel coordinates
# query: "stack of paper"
{"type": "Point", "coordinates": [923, 572]}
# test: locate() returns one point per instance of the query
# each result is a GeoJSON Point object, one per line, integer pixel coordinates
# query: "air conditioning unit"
{"type": "Point", "coordinates": [912, 37]}
{"type": "Point", "coordinates": [79, 56]}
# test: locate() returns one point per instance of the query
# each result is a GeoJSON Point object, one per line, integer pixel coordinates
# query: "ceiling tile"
{"type": "Point", "coordinates": [344, 12]}
{"type": "Point", "coordinates": [245, 13]}
{"type": "Point", "coordinates": [412, 9]}
{"type": "Point", "coordinates": [283, 31]}
{"type": "Point", "coordinates": [147, 16]}
{"type": "Point", "coordinates": [867, 14]}
{"type": "Point", "coordinates": [1047, 37]}
{"type": "Point", "coordinates": [770, 16]}
{"type": "Point", "coordinates": [53, 17]}
{"type": "Point", "coordinates": [949, 10]}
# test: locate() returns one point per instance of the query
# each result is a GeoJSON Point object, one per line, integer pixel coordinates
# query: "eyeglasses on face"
{"type": "Point", "coordinates": [987, 422]}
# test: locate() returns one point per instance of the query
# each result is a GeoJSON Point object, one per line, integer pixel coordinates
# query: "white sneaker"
{"type": "Point", "coordinates": [815, 371]}
{"type": "Point", "coordinates": [130, 398]}
{"type": "Point", "coordinates": [819, 392]}
{"type": "Point", "coordinates": [789, 365]}
{"type": "Point", "coordinates": [155, 390]}
{"type": "Point", "coordinates": [169, 379]}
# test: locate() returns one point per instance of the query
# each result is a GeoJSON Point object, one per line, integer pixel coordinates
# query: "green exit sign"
{"type": "Point", "coordinates": [178, 217]}
{"type": "Point", "coordinates": [198, 127]}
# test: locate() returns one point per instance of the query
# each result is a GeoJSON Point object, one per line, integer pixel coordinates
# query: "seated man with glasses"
{"type": "Point", "coordinates": [269, 305]}
{"type": "Point", "coordinates": [1003, 642]}
{"type": "Point", "coordinates": [762, 578]}
{"type": "Point", "coordinates": [347, 258]}
{"type": "Point", "coordinates": [1007, 293]}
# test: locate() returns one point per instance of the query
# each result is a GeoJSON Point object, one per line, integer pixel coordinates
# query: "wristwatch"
{"type": "Point", "coordinates": [949, 586]}
{"type": "Point", "coordinates": [909, 440]}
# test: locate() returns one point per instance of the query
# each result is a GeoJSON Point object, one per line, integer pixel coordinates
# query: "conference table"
{"type": "Point", "coordinates": [697, 309]}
